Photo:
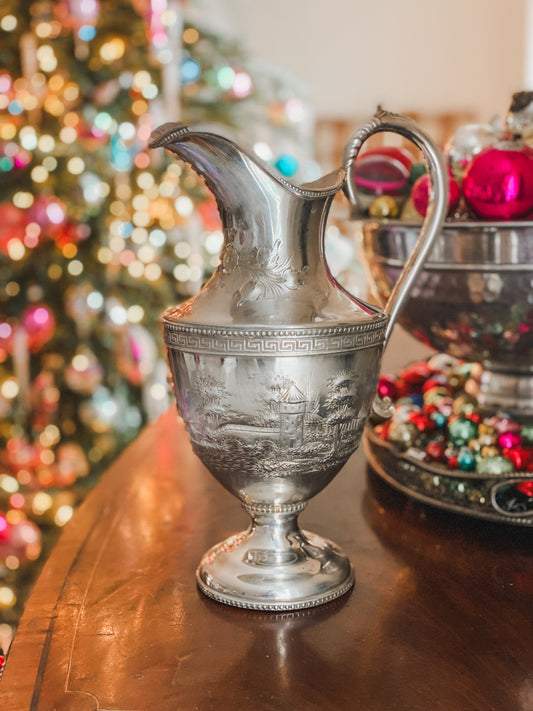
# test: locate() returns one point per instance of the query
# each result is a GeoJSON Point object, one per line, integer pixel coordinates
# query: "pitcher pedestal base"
{"type": "Point", "coordinates": [275, 566]}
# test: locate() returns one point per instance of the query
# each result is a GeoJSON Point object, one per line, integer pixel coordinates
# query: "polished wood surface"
{"type": "Point", "coordinates": [440, 618]}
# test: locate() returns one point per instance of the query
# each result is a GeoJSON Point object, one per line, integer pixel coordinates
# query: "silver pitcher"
{"type": "Point", "coordinates": [275, 366]}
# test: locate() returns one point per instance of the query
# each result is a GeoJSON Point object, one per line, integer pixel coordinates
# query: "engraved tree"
{"type": "Point", "coordinates": [210, 398]}
{"type": "Point", "coordinates": [340, 403]}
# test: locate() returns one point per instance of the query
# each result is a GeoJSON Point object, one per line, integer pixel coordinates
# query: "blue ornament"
{"type": "Point", "coordinates": [439, 418]}
{"type": "Point", "coordinates": [190, 70]}
{"type": "Point", "coordinates": [87, 33]}
{"type": "Point", "coordinates": [466, 460]}
{"type": "Point", "coordinates": [121, 156]}
{"type": "Point", "coordinates": [417, 399]}
{"type": "Point", "coordinates": [287, 165]}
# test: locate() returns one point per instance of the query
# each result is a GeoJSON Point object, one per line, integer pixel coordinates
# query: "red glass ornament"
{"type": "Point", "coordinates": [416, 374]}
{"type": "Point", "coordinates": [12, 224]}
{"type": "Point", "coordinates": [498, 183]}
{"type": "Point", "coordinates": [422, 422]}
{"type": "Point", "coordinates": [387, 386]}
{"type": "Point", "coordinates": [453, 461]}
{"type": "Point", "coordinates": [5, 529]}
{"type": "Point", "coordinates": [402, 388]}
{"type": "Point", "coordinates": [521, 457]}
{"type": "Point", "coordinates": [420, 194]}
{"type": "Point", "coordinates": [475, 417]}
{"type": "Point", "coordinates": [71, 233]}
{"type": "Point", "coordinates": [382, 430]}
{"type": "Point", "coordinates": [383, 171]}
{"type": "Point", "coordinates": [440, 383]}
{"type": "Point", "coordinates": [436, 379]}
{"type": "Point", "coordinates": [435, 451]}
{"type": "Point", "coordinates": [526, 487]}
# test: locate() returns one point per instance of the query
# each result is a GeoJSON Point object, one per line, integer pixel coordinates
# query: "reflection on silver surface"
{"type": "Point", "coordinates": [275, 367]}
{"type": "Point", "coordinates": [473, 299]}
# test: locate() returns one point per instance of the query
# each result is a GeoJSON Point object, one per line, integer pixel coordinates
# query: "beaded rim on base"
{"type": "Point", "coordinates": [278, 605]}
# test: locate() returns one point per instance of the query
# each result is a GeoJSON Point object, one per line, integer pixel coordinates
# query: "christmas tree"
{"type": "Point", "coordinates": [98, 235]}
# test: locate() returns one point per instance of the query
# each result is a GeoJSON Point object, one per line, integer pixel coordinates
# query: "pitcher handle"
{"type": "Point", "coordinates": [438, 199]}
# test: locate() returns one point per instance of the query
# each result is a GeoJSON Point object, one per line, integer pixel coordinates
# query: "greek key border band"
{"type": "Point", "coordinates": [278, 342]}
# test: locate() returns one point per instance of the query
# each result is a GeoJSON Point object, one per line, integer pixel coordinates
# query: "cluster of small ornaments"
{"type": "Point", "coordinates": [490, 169]}
{"type": "Point", "coordinates": [437, 420]}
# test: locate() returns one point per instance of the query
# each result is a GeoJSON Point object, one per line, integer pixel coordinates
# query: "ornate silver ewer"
{"type": "Point", "coordinates": [275, 366]}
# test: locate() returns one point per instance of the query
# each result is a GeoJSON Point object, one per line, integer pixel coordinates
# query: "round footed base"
{"type": "Point", "coordinates": [248, 571]}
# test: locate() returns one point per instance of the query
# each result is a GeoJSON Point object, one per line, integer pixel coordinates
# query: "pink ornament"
{"type": "Point", "coordinates": [498, 183]}
{"type": "Point", "coordinates": [503, 423]}
{"type": "Point", "coordinates": [383, 171]}
{"type": "Point", "coordinates": [508, 440]}
{"type": "Point", "coordinates": [387, 386]}
{"type": "Point", "coordinates": [420, 194]}
{"type": "Point", "coordinates": [39, 325]}
{"type": "Point", "coordinates": [6, 336]}
{"type": "Point", "coordinates": [445, 406]}
{"type": "Point", "coordinates": [77, 13]}
{"type": "Point", "coordinates": [20, 454]}
{"type": "Point", "coordinates": [49, 213]}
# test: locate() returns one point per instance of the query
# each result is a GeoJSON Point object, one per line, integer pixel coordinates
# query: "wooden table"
{"type": "Point", "coordinates": [440, 618]}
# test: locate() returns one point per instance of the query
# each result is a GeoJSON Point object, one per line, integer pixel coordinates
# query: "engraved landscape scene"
{"type": "Point", "coordinates": [287, 427]}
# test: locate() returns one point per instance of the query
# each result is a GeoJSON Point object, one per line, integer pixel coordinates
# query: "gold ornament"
{"type": "Point", "coordinates": [384, 206]}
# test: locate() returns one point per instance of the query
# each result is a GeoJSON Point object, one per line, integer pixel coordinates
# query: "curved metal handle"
{"type": "Point", "coordinates": [438, 204]}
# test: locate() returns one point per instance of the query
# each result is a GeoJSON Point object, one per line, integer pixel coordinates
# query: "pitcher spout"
{"type": "Point", "coordinates": [272, 260]}
{"type": "Point", "coordinates": [225, 166]}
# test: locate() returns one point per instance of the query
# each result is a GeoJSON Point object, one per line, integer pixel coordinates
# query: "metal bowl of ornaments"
{"type": "Point", "coordinates": [461, 437]}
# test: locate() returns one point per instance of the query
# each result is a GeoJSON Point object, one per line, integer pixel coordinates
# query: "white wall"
{"type": "Point", "coordinates": [409, 55]}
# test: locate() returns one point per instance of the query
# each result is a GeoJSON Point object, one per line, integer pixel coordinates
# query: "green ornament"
{"type": "Point", "coordinates": [494, 466]}
{"type": "Point", "coordinates": [462, 431]}
{"type": "Point", "coordinates": [417, 169]}
{"type": "Point", "coordinates": [527, 433]}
